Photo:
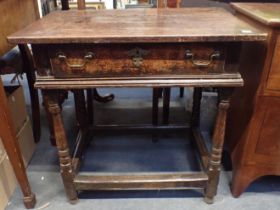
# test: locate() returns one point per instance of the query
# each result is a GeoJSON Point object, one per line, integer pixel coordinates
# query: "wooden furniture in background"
{"type": "Point", "coordinates": [253, 134]}
{"type": "Point", "coordinates": [161, 51]}
{"type": "Point", "coordinates": [10, 142]}
{"type": "Point", "coordinates": [16, 14]}
{"type": "Point", "coordinates": [26, 12]}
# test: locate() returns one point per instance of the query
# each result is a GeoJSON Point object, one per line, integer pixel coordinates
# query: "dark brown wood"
{"type": "Point", "coordinates": [214, 165]}
{"type": "Point", "coordinates": [172, 22]}
{"type": "Point", "coordinates": [135, 60]}
{"type": "Point", "coordinates": [90, 109]}
{"type": "Point", "coordinates": [150, 181]}
{"type": "Point", "coordinates": [51, 98]}
{"type": "Point", "coordinates": [28, 68]}
{"type": "Point", "coordinates": [50, 83]}
{"type": "Point", "coordinates": [81, 4]}
{"type": "Point", "coordinates": [162, 40]}
{"type": "Point", "coordinates": [201, 147]}
{"type": "Point", "coordinates": [166, 104]}
{"type": "Point", "coordinates": [82, 122]}
{"type": "Point", "coordinates": [65, 5]}
{"type": "Point", "coordinates": [197, 94]}
{"type": "Point", "coordinates": [181, 92]}
{"type": "Point", "coordinates": [252, 137]}
{"type": "Point", "coordinates": [141, 128]}
{"type": "Point", "coordinates": [155, 106]}
{"type": "Point", "coordinates": [10, 142]}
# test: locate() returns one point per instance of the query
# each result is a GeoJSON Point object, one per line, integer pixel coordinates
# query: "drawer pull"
{"type": "Point", "coordinates": [77, 66]}
{"type": "Point", "coordinates": [202, 63]}
{"type": "Point", "coordinates": [137, 56]}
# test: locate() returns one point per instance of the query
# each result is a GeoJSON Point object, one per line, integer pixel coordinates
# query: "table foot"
{"type": "Point", "coordinates": [208, 200]}
{"type": "Point", "coordinates": [29, 201]}
{"type": "Point", "coordinates": [74, 201]}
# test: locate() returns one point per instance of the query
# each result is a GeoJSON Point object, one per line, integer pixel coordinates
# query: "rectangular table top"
{"type": "Point", "coordinates": [138, 25]}
{"type": "Point", "coordinates": [266, 13]}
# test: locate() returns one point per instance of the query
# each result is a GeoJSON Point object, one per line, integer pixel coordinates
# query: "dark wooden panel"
{"type": "Point", "coordinates": [138, 25]}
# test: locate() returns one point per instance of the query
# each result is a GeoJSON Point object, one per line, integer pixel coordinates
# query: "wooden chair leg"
{"type": "Point", "coordinates": [195, 119]}
{"type": "Point", "coordinates": [181, 92]}
{"type": "Point", "coordinates": [82, 120]}
{"type": "Point", "coordinates": [214, 165]}
{"type": "Point", "coordinates": [90, 106]}
{"type": "Point", "coordinates": [8, 136]}
{"type": "Point", "coordinates": [166, 105]}
{"type": "Point", "coordinates": [155, 106]}
{"type": "Point", "coordinates": [156, 92]}
{"type": "Point", "coordinates": [102, 99]}
{"type": "Point", "coordinates": [28, 68]}
{"type": "Point", "coordinates": [51, 99]}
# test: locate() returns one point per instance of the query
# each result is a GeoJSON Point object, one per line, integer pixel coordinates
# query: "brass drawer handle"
{"type": "Point", "coordinates": [63, 58]}
{"type": "Point", "coordinates": [202, 63]}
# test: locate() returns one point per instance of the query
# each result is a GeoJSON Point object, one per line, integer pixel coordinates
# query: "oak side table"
{"type": "Point", "coordinates": [76, 50]}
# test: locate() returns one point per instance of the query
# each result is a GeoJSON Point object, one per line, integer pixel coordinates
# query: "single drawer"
{"type": "Point", "coordinates": [130, 60]}
{"type": "Point", "coordinates": [273, 82]}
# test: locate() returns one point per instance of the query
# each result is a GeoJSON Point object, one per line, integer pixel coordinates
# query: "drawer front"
{"type": "Point", "coordinates": [136, 60]}
{"type": "Point", "coordinates": [273, 82]}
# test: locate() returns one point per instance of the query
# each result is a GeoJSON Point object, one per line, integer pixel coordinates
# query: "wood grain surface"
{"type": "Point", "coordinates": [138, 25]}
{"type": "Point", "coordinates": [268, 13]}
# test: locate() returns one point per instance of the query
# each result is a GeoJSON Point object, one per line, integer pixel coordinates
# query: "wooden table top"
{"type": "Point", "coordinates": [266, 13]}
{"type": "Point", "coordinates": [138, 25]}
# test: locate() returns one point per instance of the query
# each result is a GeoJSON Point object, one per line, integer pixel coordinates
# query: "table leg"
{"type": "Point", "coordinates": [51, 99]}
{"type": "Point", "coordinates": [214, 165]}
{"type": "Point", "coordinates": [195, 120]}
{"type": "Point", "coordinates": [83, 125]}
{"type": "Point", "coordinates": [28, 68]}
{"type": "Point", "coordinates": [8, 136]}
{"type": "Point", "coordinates": [166, 105]}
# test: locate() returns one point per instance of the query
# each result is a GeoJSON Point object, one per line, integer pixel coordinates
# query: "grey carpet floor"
{"type": "Point", "coordinates": [137, 152]}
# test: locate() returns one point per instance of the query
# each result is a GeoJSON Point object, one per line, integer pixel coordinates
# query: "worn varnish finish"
{"type": "Point", "coordinates": [154, 48]}
{"type": "Point", "coordinates": [253, 125]}
{"type": "Point", "coordinates": [136, 60]}
{"type": "Point", "coordinates": [138, 25]}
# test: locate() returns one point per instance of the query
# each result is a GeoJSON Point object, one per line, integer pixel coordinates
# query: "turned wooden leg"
{"type": "Point", "coordinates": [28, 68]}
{"type": "Point", "coordinates": [214, 165]}
{"type": "Point", "coordinates": [8, 136]}
{"type": "Point", "coordinates": [195, 119]}
{"type": "Point", "coordinates": [51, 98]}
{"type": "Point", "coordinates": [61, 98]}
{"type": "Point", "coordinates": [166, 106]}
{"type": "Point", "coordinates": [102, 99]}
{"type": "Point", "coordinates": [50, 125]}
